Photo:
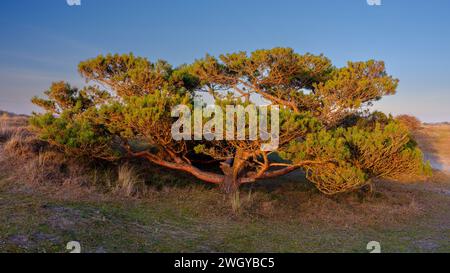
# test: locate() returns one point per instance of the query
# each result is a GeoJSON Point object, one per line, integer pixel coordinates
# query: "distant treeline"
{"type": "Point", "coordinates": [437, 123]}
{"type": "Point", "coordinates": [2, 113]}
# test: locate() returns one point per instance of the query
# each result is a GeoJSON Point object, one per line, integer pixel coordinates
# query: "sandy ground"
{"type": "Point", "coordinates": [435, 143]}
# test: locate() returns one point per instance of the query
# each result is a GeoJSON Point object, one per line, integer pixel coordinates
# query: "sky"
{"type": "Point", "coordinates": [42, 41]}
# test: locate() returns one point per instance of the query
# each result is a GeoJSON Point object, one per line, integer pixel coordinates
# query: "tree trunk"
{"type": "Point", "coordinates": [231, 170]}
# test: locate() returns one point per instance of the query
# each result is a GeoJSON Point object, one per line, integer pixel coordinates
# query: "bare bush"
{"type": "Point", "coordinates": [412, 122]}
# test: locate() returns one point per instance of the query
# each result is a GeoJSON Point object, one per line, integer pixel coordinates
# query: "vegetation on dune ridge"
{"type": "Point", "coordinates": [326, 129]}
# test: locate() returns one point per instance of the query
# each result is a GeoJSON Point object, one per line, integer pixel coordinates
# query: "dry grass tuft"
{"type": "Point", "coordinates": [129, 182]}
{"type": "Point", "coordinates": [11, 125]}
{"type": "Point", "coordinates": [6, 133]}
{"type": "Point", "coordinates": [23, 143]}
{"type": "Point", "coordinates": [30, 160]}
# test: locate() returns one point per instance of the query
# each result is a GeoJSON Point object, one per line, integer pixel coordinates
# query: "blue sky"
{"type": "Point", "coordinates": [43, 41]}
